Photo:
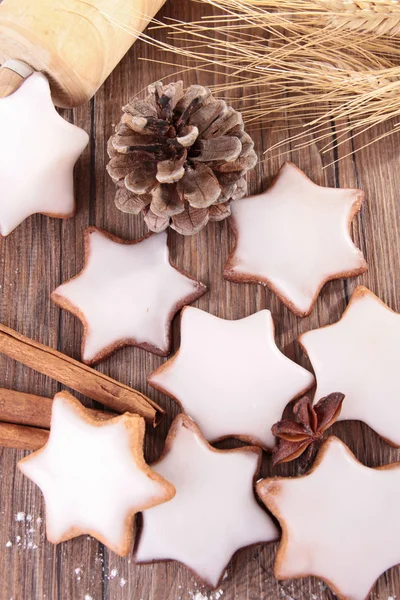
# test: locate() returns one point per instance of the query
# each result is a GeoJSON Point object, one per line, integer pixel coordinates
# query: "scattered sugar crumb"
{"type": "Point", "coordinates": [285, 594]}
{"type": "Point", "coordinates": [197, 595]}
{"type": "Point", "coordinates": [31, 545]}
{"type": "Point", "coordinates": [113, 573]}
{"type": "Point", "coordinates": [88, 597]}
{"type": "Point", "coordinates": [392, 597]}
{"type": "Point", "coordinates": [225, 575]}
{"type": "Point", "coordinates": [122, 582]}
{"type": "Point", "coordinates": [9, 544]}
{"type": "Point", "coordinates": [29, 537]}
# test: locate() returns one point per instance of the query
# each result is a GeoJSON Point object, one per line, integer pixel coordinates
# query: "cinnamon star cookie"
{"type": "Point", "coordinates": [294, 237]}
{"type": "Point", "coordinates": [93, 475]}
{"type": "Point", "coordinates": [126, 294]}
{"type": "Point", "coordinates": [360, 357]}
{"type": "Point", "coordinates": [38, 151]}
{"type": "Point", "coordinates": [230, 377]}
{"type": "Point", "coordinates": [340, 522]}
{"type": "Point", "coordinates": [214, 512]}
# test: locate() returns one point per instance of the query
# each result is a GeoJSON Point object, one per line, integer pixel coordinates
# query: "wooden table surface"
{"type": "Point", "coordinates": [44, 252]}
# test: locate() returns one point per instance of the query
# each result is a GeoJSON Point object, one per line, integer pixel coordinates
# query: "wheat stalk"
{"type": "Point", "coordinates": [306, 62]}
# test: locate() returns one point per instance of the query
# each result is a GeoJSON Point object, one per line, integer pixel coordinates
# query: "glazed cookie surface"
{"type": "Point", "coordinates": [294, 237]}
{"type": "Point", "coordinates": [230, 377]}
{"type": "Point", "coordinates": [360, 356]}
{"type": "Point", "coordinates": [340, 521]}
{"type": "Point", "coordinates": [126, 294]}
{"type": "Point", "coordinates": [38, 151]}
{"type": "Point", "coordinates": [214, 511]}
{"type": "Point", "coordinates": [93, 475]}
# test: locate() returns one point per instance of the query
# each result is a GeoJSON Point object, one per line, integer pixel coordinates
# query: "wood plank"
{"type": "Point", "coordinates": [43, 252]}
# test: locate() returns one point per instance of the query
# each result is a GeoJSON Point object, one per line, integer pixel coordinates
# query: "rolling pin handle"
{"type": "Point", "coordinates": [12, 74]}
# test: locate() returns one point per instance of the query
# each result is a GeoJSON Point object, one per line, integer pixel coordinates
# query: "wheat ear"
{"type": "Point", "coordinates": [381, 17]}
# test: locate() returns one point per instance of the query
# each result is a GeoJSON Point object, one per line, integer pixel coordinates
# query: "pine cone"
{"type": "Point", "coordinates": [179, 157]}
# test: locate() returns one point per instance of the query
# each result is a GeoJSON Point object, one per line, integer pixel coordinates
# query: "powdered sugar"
{"type": "Point", "coordinates": [30, 533]}
{"type": "Point", "coordinates": [198, 595]}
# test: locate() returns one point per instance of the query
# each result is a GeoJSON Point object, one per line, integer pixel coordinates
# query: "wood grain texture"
{"type": "Point", "coordinates": [43, 252]}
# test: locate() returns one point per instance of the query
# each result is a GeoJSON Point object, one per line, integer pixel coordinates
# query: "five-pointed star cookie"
{"type": "Point", "coordinates": [38, 151]}
{"type": "Point", "coordinates": [93, 475]}
{"type": "Point", "coordinates": [230, 377]}
{"type": "Point", "coordinates": [214, 511]}
{"type": "Point", "coordinates": [126, 294]}
{"type": "Point", "coordinates": [360, 356]}
{"type": "Point", "coordinates": [294, 237]}
{"type": "Point", "coordinates": [340, 522]}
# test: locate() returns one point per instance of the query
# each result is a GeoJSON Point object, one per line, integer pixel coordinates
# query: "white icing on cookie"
{"type": "Point", "coordinates": [214, 512]}
{"type": "Point", "coordinates": [93, 475]}
{"type": "Point", "coordinates": [38, 150]}
{"type": "Point", "coordinates": [127, 293]}
{"type": "Point", "coordinates": [294, 237]}
{"type": "Point", "coordinates": [341, 522]}
{"type": "Point", "coordinates": [360, 357]}
{"type": "Point", "coordinates": [230, 377]}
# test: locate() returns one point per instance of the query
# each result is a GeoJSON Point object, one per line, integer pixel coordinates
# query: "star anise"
{"type": "Point", "coordinates": [306, 428]}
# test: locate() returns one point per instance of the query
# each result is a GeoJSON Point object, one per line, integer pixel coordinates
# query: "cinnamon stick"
{"type": "Point", "coordinates": [25, 419]}
{"type": "Point", "coordinates": [22, 437]}
{"type": "Point", "coordinates": [20, 408]}
{"type": "Point", "coordinates": [75, 375]}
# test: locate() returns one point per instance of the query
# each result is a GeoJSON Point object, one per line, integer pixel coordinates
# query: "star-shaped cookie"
{"type": "Point", "coordinates": [214, 511]}
{"type": "Point", "coordinates": [340, 522]}
{"type": "Point", "coordinates": [294, 237]}
{"type": "Point", "coordinates": [126, 294]}
{"type": "Point", "coordinates": [38, 151]}
{"type": "Point", "coordinates": [230, 377]}
{"type": "Point", "coordinates": [93, 475]}
{"type": "Point", "coordinates": [360, 357]}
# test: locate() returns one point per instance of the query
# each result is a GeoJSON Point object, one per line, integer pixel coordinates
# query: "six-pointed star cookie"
{"type": "Point", "coordinates": [340, 522]}
{"type": "Point", "coordinates": [93, 475]}
{"type": "Point", "coordinates": [214, 511]}
{"type": "Point", "coordinates": [360, 357]}
{"type": "Point", "coordinates": [230, 377]}
{"type": "Point", "coordinates": [294, 238]}
{"type": "Point", "coordinates": [38, 150]}
{"type": "Point", "coordinates": [127, 294]}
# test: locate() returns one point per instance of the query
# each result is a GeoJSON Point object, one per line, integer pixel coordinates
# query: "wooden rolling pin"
{"type": "Point", "coordinates": [75, 43]}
